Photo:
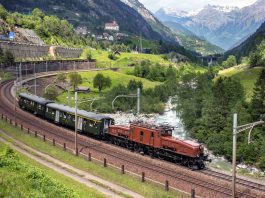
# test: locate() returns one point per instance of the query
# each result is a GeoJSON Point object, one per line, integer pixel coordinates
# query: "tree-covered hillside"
{"type": "Point", "coordinates": [193, 42]}
{"type": "Point", "coordinates": [250, 45]}
{"type": "Point", "coordinates": [56, 31]}
{"type": "Point", "coordinates": [207, 108]}
{"type": "Point", "coordinates": [92, 14]}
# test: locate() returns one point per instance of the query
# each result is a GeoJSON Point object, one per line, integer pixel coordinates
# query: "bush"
{"type": "Point", "coordinates": [262, 162]}
{"type": "Point", "coordinates": [51, 93]}
{"type": "Point", "coordinates": [230, 62]}
{"type": "Point", "coordinates": [112, 56]}
{"type": "Point", "coordinates": [6, 57]}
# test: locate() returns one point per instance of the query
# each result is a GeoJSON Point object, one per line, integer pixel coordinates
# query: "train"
{"type": "Point", "coordinates": [154, 140]}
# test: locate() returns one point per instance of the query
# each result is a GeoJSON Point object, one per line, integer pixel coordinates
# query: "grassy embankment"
{"type": "Point", "coordinates": [247, 77]}
{"type": "Point", "coordinates": [124, 73]}
{"type": "Point", "coordinates": [125, 59]}
{"type": "Point", "coordinates": [116, 78]}
{"type": "Point", "coordinates": [113, 175]}
{"type": "Point", "coordinates": [4, 76]}
{"type": "Point", "coordinates": [46, 182]}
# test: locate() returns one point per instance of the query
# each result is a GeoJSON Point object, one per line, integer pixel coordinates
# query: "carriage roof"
{"type": "Point", "coordinates": [82, 113]}
{"type": "Point", "coordinates": [34, 98]}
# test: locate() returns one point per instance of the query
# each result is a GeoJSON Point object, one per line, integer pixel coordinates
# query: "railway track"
{"type": "Point", "coordinates": [240, 181]}
{"type": "Point", "coordinates": [87, 144]}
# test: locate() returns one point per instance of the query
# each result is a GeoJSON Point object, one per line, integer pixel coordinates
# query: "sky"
{"type": "Point", "coordinates": [189, 5]}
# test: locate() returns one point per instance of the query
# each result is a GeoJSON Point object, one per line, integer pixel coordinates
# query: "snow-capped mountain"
{"type": "Point", "coordinates": [177, 13]}
{"type": "Point", "coordinates": [221, 25]}
{"type": "Point", "coordinates": [222, 8]}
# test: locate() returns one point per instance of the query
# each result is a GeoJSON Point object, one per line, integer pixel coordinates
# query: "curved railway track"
{"type": "Point", "coordinates": [121, 156]}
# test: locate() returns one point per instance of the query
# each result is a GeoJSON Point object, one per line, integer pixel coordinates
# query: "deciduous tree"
{"type": "Point", "coordinates": [75, 79]}
{"type": "Point", "coordinates": [101, 82]}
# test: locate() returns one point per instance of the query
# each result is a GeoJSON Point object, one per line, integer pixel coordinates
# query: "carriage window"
{"type": "Point", "coordinates": [152, 135]}
{"type": "Point", "coordinates": [40, 107]}
{"type": "Point", "coordinates": [91, 123]}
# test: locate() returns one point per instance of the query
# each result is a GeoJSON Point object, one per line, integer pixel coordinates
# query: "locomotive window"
{"type": "Point", "coordinates": [39, 106]}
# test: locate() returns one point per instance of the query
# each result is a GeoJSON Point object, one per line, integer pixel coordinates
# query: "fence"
{"type": "Point", "coordinates": [23, 69]}
{"type": "Point", "coordinates": [88, 156]}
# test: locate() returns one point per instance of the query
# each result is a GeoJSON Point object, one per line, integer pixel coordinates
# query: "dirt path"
{"type": "Point", "coordinates": [107, 188]}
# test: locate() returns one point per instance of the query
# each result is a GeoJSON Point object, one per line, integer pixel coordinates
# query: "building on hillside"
{"type": "Point", "coordinates": [112, 26]}
{"type": "Point", "coordinates": [82, 30]}
{"type": "Point", "coordinates": [105, 36]}
{"type": "Point", "coordinates": [120, 36]}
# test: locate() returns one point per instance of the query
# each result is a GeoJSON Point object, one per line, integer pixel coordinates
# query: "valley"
{"type": "Point", "coordinates": [148, 89]}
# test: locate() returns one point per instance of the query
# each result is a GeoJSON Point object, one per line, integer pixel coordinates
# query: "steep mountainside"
{"type": "Point", "coordinates": [222, 26]}
{"type": "Point", "coordinates": [249, 45]}
{"type": "Point", "coordinates": [164, 31]}
{"type": "Point", "coordinates": [193, 42]}
{"type": "Point", "coordinates": [93, 14]}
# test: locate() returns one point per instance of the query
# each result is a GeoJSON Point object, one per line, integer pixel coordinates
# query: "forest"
{"type": "Point", "coordinates": [207, 105]}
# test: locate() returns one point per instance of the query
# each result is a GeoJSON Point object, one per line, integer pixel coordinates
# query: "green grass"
{"type": "Point", "coordinates": [133, 183]}
{"type": "Point", "coordinates": [116, 79]}
{"type": "Point", "coordinates": [80, 189]}
{"type": "Point", "coordinates": [4, 76]}
{"type": "Point", "coordinates": [125, 59]}
{"type": "Point", "coordinates": [247, 76]}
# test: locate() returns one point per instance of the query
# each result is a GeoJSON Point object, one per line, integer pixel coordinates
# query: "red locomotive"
{"type": "Point", "coordinates": [157, 141]}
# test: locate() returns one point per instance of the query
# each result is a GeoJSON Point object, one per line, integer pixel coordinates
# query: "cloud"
{"type": "Point", "coordinates": [154, 5]}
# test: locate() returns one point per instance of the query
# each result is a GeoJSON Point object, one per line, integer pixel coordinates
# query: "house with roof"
{"type": "Point", "coordinates": [112, 26]}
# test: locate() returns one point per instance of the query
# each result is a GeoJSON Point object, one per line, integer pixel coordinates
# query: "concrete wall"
{"type": "Point", "coordinates": [27, 68]}
{"type": "Point", "coordinates": [68, 52]}
{"type": "Point", "coordinates": [22, 50]}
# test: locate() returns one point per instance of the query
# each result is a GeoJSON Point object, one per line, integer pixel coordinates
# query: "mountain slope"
{"type": "Point", "coordinates": [222, 26]}
{"type": "Point", "coordinates": [93, 14]}
{"type": "Point", "coordinates": [193, 42]}
{"type": "Point", "coordinates": [164, 31]}
{"type": "Point", "coordinates": [249, 45]}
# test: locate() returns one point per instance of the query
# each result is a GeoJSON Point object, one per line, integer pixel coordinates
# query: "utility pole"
{"type": "Point", "coordinates": [138, 100]}
{"type": "Point", "coordinates": [236, 130]}
{"type": "Point", "coordinates": [35, 80]}
{"type": "Point", "coordinates": [141, 44]}
{"type": "Point", "coordinates": [76, 123]}
{"type": "Point", "coordinates": [20, 72]}
{"type": "Point", "coordinates": [69, 102]}
{"type": "Point", "coordinates": [234, 155]}
{"type": "Point", "coordinates": [15, 109]}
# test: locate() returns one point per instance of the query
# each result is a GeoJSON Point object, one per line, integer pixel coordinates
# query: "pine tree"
{"type": "Point", "coordinates": [258, 98]}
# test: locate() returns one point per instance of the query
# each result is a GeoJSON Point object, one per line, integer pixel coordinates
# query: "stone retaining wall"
{"type": "Point", "coordinates": [23, 50]}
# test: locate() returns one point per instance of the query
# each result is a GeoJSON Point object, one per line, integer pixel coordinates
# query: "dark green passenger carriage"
{"type": "Point", "coordinates": [87, 122]}
{"type": "Point", "coordinates": [34, 104]}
